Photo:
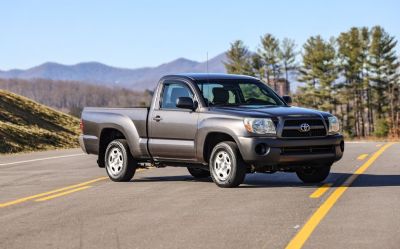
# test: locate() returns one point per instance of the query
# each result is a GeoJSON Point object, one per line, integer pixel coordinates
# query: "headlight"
{"type": "Point", "coordinates": [334, 126]}
{"type": "Point", "coordinates": [260, 125]}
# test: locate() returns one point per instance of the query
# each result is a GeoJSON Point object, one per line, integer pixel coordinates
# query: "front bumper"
{"type": "Point", "coordinates": [280, 151]}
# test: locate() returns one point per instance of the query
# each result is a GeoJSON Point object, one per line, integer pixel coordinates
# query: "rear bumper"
{"type": "Point", "coordinates": [89, 144]}
{"type": "Point", "coordinates": [279, 151]}
{"type": "Point", "coordinates": [82, 143]}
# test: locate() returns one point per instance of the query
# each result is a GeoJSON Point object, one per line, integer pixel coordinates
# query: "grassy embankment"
{"type": "Point", "coordinates": [26, 125]}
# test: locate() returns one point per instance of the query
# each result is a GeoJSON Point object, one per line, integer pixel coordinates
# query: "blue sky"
{"type": "Point", "coordinates": [147, 33]}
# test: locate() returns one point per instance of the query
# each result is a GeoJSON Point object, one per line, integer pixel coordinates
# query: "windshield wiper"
{"type": "Point", "coordinates": [224, 105]}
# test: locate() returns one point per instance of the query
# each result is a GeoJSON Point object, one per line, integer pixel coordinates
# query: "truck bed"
{"type": "Point", "coordinates": [95, 119]}
{"type": "Point", "coordinates": [138, 115]}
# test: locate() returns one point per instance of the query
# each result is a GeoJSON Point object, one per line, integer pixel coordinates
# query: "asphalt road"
{"type": "Point", "coordinates": [61, 199]}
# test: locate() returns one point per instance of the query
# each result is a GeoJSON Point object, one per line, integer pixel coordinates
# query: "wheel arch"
{"type": "Point", "coordinates": [120, 127]}
{"type": "Point", "coordinates": [213, 130]}
{"type": "Point", "coordinates": [211, 140]}
{"type": "Point", "coordinates": [106, 136]}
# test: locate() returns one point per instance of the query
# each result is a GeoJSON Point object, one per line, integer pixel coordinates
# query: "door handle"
{"type": "Point", "coordinates": [157, 118]}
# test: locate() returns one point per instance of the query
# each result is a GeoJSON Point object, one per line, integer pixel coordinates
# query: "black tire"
{"type": "Point", "coordinates": [313, 174]}
{"type": "Point", "coordinates": [237, 171]}
{"type": "Point", "coordinates": [199, 173]}
{"type": "Point", "coordinates": [101, 163]}
{"type": "Point", "coordinates": [123, 167]}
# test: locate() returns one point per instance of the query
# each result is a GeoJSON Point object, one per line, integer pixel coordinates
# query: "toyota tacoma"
{"type": "Point", "coordinates": [219, 125]}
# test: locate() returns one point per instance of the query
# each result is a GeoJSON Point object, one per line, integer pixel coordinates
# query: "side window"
{"type": "Point", "coordinates": [171, 92]}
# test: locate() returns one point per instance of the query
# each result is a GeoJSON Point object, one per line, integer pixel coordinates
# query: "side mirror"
{"type": "Point", "coordinates": [287, 99]}
{"type": "Point", "coordinates": [185, 103]}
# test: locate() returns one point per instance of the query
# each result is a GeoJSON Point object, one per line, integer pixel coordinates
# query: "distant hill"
{"type": "Point", "coordinates": [97, 73]}
{"type": "Point", "coordinates": [26, 125]}
{"type": "Point", "coordinates": [72, 96]}
{"type": "Point", "coordinates": [138, 79]}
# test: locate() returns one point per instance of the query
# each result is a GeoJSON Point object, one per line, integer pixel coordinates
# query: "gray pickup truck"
{"type": "Point", "coordinates": [217, 125]}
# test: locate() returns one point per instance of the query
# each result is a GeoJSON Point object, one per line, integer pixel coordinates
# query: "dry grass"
{"type": "Point", "coordinates": [26, 125]}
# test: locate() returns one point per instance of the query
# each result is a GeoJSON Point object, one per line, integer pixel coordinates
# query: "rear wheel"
{"type": "Point", "coordinates": [226, 165]}
{"type": "Point", "coordinates": [119, 163]}
{"type": "Point", "coordinates": [314, 174]}
{"type": "Point", "coordinates": [198, 173]}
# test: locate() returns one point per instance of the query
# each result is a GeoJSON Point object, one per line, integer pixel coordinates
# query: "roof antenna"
{"type": "Point", "coordinates": [207, 62]}
{"type": "Point", "coordinates": [208, 80]}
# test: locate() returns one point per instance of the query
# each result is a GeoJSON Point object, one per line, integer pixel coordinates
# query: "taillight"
{"type": "Point", "coordinates": [81, 125]}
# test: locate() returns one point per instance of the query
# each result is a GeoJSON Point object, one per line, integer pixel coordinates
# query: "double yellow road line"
{"type": "Point", "coordinates": [301, 237]}
{"type": "Point", "coordinates": [54, 193]}
{"type": "Point", "coordinates": [58, 192]}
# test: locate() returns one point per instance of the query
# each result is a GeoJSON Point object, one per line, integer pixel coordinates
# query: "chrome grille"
{"type": "Point", "coordinates": [291, 128]}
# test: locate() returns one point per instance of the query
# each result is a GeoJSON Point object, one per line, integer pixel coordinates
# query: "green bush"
{"type": "Point", "coordinates": [381, 128]}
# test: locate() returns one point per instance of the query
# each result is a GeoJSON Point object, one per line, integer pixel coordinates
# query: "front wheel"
{"type": "Point", "coordinates": [119, 163]}
{"type": "Point", "coordinates": [226, 165]}
{"type": "Point", "coordinates": [313, 174]}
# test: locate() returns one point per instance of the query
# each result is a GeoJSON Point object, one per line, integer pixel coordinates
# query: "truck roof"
{"type": "Point", "coordinates": [211, 76]}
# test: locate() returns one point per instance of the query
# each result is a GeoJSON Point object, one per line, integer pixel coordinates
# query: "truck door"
{"type": "Point", "coordinates": [172, 130]}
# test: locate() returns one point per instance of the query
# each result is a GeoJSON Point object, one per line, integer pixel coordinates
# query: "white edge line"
{"type": "Point", "coordinates": [41, 159]}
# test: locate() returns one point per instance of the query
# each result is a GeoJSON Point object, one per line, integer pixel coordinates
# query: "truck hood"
{"type": "Point", "coordinates": [273, 111]}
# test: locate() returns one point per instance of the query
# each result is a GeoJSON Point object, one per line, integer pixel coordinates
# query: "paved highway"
{"type": "Point", "coordinates": [61, 199]}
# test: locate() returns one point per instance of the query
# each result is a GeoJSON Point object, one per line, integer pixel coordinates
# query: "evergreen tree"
{"type": "Point", "coordinates": [350, 53]}
{"type": "Point", "coordinates": [258, 66]}
{"type": "Point", "coordinates": [269, 52]}
{"type": "Point", "coordinates": [287, 56]}
{"type": "Point", "coordinates": [238, 59]}
{"type": "Point", "coordinates": [365, 43]}
{"type": "Point", "coordinates": [384, 75]}
{"type": "Point", "coordinates": [319, 72]}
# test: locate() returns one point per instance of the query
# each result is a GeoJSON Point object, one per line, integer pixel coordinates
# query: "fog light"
{"type": "Point", "coordinates": [261, 149]}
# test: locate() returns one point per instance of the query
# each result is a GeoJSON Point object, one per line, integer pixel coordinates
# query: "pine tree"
{"type": "Point", "coordinates": [350, 53]}
{"type": "Point", "coordinates": [258, 66]}
{"type": "Point", "coordinates": [269, 52]}
{"type": "Point", "coordinates": [319, 72]}
{"type": "Point", "coordinates": [287, 56]}
{"type": "Point", "coordinates": [365, 43]}
{"type": "Point", "coordinates": [397, 105]}
{"type": "Point", "coordinates": [384, 76]}
{"type": "Point", "coordinates": [238, 59]}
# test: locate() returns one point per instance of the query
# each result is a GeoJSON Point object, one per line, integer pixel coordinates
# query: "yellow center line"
{"type": "Point", "coordinates": [302, 236]}
{"type": "Point", "coordinates": [378, 145]}
{"type": "Point", "coordinates": [6, 204]}
{"type": "Point", "coordinates": [62, 193]}
{"type": "Point", "coordinates": [321, 190]}
{"type": "Point", "coordinates": [362, 156]}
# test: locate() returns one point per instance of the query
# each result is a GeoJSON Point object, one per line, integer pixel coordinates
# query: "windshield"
{"type": "Point", "coordinates": [238, 93]}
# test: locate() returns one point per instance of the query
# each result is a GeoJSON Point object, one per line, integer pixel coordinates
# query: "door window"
{"type": "Point", "coordinates": [171, 92]}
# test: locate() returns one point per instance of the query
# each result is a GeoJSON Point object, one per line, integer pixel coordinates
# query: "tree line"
{"type": "Point", "coordinates": [72, 96]}
{"type": "Point", "coordinates": [355, 76]}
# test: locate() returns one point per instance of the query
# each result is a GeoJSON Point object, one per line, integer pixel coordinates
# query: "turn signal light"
{"type": "Point", "coordinates": [81, 125]}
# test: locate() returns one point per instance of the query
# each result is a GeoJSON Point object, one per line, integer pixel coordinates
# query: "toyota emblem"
{"type": "Point", "coordinates": [304, 127]}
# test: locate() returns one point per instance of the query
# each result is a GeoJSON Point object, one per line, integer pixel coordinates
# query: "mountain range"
{"type": "Point", "coordinates": [98, 73]}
